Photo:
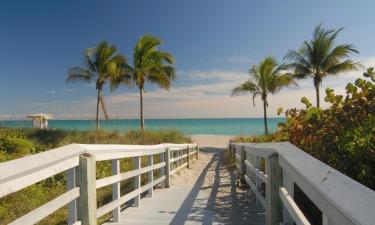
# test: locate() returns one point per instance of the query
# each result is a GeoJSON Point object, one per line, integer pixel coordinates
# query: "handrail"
{"type": "Point", "coordinates": [340, 199]}
{"type": "Point", "coordinates": [79, 162]}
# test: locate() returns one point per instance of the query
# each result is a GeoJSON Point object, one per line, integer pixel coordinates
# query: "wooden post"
{"type": "Point", "coordinates": [242, 165]}
{"type": "Point", "coordinates": [188, 158]}
{"type": "Point", "coordinates": [167, 167]}
{"type": "Point", "coordinates": [197, 149]}
{"type": "Point", "coordinates": [137, 180]}
{"type": "Point", "coordinates": [116, 190]}
{"type": "Point", "coordinates": [258, 181]}
{"type": "Point", "coordinates": [150, 175]}
{"type": "Point", "coordinates": [289, 185]}
{"type": "Point", "coordinates": [87, 182]}
{"type": "Point", "coordinates": [72, 206]}
{"type": "Point", "coordinates": [162, 169]}
{"type": "Point", "coordinates": [274, 181]}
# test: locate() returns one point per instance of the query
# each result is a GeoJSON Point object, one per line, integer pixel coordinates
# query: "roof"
{"type": "Point", "coordinates": [41, 115]}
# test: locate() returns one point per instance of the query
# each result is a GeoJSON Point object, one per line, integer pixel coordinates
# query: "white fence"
{"type": "Point", "coordinates": [79, 162]}
{"type": "Point", "coordinates": [273, 169]}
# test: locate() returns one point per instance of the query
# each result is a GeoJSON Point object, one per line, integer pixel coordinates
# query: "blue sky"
{"type": "Point", "coordinates": [214, 43]}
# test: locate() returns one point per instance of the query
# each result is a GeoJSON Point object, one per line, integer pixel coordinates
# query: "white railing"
{"type": "Point", "coordinates": [273, 169]}
{"type": "Point", "coordinates": [79, 163]}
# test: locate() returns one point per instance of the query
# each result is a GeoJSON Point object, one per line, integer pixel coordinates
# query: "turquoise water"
{"type": "Point", "coordinates": [229, 126]}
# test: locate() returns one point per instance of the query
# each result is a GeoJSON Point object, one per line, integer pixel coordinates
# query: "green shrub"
{"type": "Point", "coordinates": [342, 136]}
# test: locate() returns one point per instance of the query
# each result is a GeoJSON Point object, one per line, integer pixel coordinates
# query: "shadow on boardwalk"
{"type": "Point", "coordinates": [226, 204]}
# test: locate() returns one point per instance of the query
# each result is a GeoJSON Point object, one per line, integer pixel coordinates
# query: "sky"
{"type": "Point", "coordinates": [214, 43]}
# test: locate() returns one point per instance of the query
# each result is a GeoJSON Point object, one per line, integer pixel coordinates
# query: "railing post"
{"type": "Point", "coordinates": [150, 175]}
{"type": "Point", "coordinates": [289, 186]}
{"type": "Point", "coordinates": [188, 157]}
{"type": "Point", "coordinates": [197, 151]}
{"type": "Point", "coordinates": [162, 169]}
{"type": "Point", "coordinates": [242, 165]}
{"type": "Point", "coordinates": [116, 190]}
{"type": "Point", "coordinates": [137, 181]}
{"type": "Point", "coordinates": [167, 167]}
{"type": "Point", "coordinates": [274, 181]}
{"type": "Point", "coordinates": [72, 206]}
{"type": "Point", "coordinates": [87, 184]}
{"type": "Point", "coordinates": [258, 181]}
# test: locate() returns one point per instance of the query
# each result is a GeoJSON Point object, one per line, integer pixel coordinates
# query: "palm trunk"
{"type": "Point", "coordinates": [265, 116]}
{"type": "Point", "coordinates": [141, 109]}
{"type": "Point", "coordinates": [103, 107]}
{"type": "Point", "coordinates": [317, 95]}
{"type": "Point", "coordinates": [97, 110]}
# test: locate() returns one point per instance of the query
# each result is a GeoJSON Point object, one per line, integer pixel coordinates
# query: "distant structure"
{"type": "Point", "coordinates": [40, 120]}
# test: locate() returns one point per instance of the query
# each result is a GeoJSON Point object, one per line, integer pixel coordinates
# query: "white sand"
{"type": "Point", "coordinates": [215, 141]}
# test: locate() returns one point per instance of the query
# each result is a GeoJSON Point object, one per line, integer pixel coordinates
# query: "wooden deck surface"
{"type": "Point", "coordinates": [205, 194]}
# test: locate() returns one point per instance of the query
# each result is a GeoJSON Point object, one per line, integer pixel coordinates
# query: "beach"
{"type": "Point", "coordinates": [212, 141]}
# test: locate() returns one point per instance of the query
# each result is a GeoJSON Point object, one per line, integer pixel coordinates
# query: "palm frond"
{"type": "Point", "coordinates": [76, 74]}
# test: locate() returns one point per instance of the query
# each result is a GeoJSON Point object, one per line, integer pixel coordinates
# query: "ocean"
{"type": "Point", "coordinates": [225, 126]}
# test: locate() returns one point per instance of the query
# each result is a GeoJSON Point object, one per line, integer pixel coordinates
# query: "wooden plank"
{"type": "Point", "coordinates": [110, 206]}
{"type": "Point", "coordinates": [43, 211]}
{"type": "Point", "coordinates": [116, 190]}
{"type": "Point", "coordinates": [87, 199]}
{"type": "Point", "coordinates": [256, 171]}
{"type": "Point", "coordinates": [258, 195]}
{"type": "Point", "coordinates": [162, 169]}
{"type": "Point", "coordinates": [179, 158]}
{"type": "Point", "coordinates": [32, 163]}
{"type": "Point", "coordinates": [19, 181]}
{"type": "Point", "coordinates": [178, 168]}
{"type": "Point", "coordinates": [293, 210]}
{"type": "Point", "coordinates": [129, 174]}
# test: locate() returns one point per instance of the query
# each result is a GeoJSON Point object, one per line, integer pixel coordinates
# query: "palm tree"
{"type": "Point", "coordinates": [320, 57]}
{"type": "Point", "coordinates": [100, 63]}
{"type": "Point", "coordinates": [149, 64]}
{"type": "Point", "coordinates": [265, 78]}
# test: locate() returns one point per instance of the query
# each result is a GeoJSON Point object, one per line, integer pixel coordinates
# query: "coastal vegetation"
{"type": "Point", "coordinates": [16, 143]}
{"type": "Point", "coordinates": [342, 136]}
{"type": "Point", "coordinates": [100, 64]}
{"type": "Point", "coordinates": [149, 65]}
{"type": "Point", "coordinates": [265, 79]}
{"type": "Point", "coordinates": [320, 57]}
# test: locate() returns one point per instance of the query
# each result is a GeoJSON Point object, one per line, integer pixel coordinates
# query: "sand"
{"type": "Point", "coordinates": [212, 141]}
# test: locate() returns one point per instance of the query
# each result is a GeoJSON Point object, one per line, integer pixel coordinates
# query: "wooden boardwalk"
{"type": "Point", "coordinates": [205, 194]}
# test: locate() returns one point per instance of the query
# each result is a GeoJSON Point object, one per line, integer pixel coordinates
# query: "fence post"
{"type": "Point", "coordinates": [167, 167]}
{"type": "Point", "coordinates": [197, 150]}
{"type": "Point", "coordinates": [242, 165]}
{"type": "Point", "coordinates": [162, 169]}
{"type": "Point", "coordinates": [150, 175]}
{"type": "Point", "coordinates": [72, 206]}
{"type": "Point", "coordinates": [116, 190]}
{"type": "Point", "coordinates": [188, 157]}
{"type": "Point", "coordinates": [87, 184]}
{"type": "Point", "coordinates": [137, 181]}
{"type": "Point", "coordinates": [289, 185]}
{"type": "Point", "coordinates": [274, 181]}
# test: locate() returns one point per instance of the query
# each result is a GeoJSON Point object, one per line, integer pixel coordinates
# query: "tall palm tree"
{"type": "Point", "coordinates": [149, 64]}
{"type": "Point", "coordinates": [100, 63]}
{"type": "Point", "coordinates": [265, 78]}
{"type": "Point", "coordinates": [321, 57]}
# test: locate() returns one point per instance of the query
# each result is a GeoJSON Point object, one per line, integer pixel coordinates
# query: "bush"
{"type": "Point", "coordinates": [342, 136]}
